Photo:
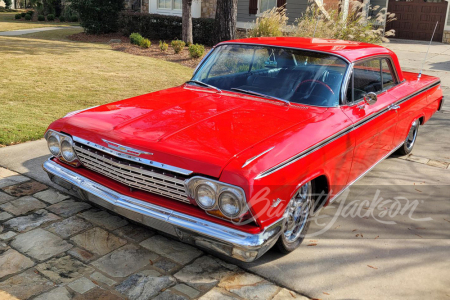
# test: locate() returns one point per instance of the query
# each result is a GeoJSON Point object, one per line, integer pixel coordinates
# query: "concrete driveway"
{"type": "Point", "coordinates": [374, 249]}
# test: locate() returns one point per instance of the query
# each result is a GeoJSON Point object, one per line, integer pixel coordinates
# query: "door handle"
{"type": "Point", "coordinates": [393, 107]}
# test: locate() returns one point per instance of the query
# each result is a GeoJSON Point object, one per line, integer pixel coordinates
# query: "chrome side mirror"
{"type": "Point", "coordinates": [370, 98]}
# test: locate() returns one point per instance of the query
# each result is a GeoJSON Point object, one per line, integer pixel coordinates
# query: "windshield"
{"type": "Point", "coordinates": [294, 75]}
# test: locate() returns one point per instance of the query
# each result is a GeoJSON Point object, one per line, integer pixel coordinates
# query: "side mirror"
{"type": "Point", "coordinates": [370, 98]}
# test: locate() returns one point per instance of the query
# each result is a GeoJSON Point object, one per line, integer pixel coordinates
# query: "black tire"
{"type": "Point", "coordinates": [285, 244]}
{"type": "Point", "coordinates": [410, 140]}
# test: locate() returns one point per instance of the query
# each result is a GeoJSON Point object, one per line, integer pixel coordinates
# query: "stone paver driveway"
{"type": "Point", "coordinates": [53, 246]}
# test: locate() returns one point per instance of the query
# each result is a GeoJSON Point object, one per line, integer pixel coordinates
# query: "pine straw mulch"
{"type": "Point", "coordinates": [154, 51]}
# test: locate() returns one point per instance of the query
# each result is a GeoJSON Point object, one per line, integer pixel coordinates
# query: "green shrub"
{"type": "Point", "coordinates": [40, 18]}
{"type": "Point", "coordinates": [28, 17]}
{"type": "Point", "coordinates": [161, 27]}
{"type": "Point", "coordinates": [163, 46]}
{"type": "Point", "coordinates": [73, 19]}
{"type": "Point", "coordinates": [18, 16]}
{"type": "Point", "coordinates": [62, 19]}
{"type": "Point", "coordinates": [178, 45]}
{"type": "Point", "coordinates": [98, 16]}
{"type": "Point", "coordinates": [145, 43]}
{"type": "Point", "coordinates": [196, 50]}
{"type": "Point", "coordinates": [50, 17]}
{"type": "Point", "coordinates": [30, 12]}
{"type": "Point", "coordinates": [136, 38]}
{"type": "Point", "coordinates": [23, 14]}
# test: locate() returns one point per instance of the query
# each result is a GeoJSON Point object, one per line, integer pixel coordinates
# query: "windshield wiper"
{"type": "Point", "coordinates": [260, 95]}
{"type": "Point", "coordinates": [204, 84]}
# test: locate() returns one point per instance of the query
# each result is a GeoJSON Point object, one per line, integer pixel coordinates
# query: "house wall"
{"type": "Point", "coordinates": [294, 10]}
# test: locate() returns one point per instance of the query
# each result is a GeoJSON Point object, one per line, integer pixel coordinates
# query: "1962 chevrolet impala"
{"type": "Point", "coordinates": [233, 159]}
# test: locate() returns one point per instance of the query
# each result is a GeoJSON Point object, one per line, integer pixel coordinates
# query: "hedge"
{"type": "Point", "coordinates": [160, 27]}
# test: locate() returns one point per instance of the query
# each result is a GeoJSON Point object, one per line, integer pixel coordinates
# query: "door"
{"type": "Point", "coordinates": [375, 124]}
{"type": "Point", "coordinates": [416, 19]}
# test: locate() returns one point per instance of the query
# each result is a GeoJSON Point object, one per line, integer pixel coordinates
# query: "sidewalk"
{"type": "Point", "coordinates": [27, 31]}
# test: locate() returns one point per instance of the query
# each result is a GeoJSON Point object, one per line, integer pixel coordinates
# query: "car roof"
{"type": "Point", "coordinates": [350, 50]}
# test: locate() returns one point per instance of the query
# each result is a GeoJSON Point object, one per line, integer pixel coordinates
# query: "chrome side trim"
{"type": "Point", "coordinates": [363, 174]}
{"type": "Point", "coordinates": [248, 161]}
{"type": "Point", "coordinates": [305, 153]}
{"type": "Point", "coordinates": [133, 158]}
{"type": "Point", "coordinates": [228, 241]}
{"type": "Point", "coordinates": [339, 134]}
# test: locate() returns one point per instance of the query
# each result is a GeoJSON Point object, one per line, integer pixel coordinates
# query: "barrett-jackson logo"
{"type": "Point", "coordinates": [125, 149]}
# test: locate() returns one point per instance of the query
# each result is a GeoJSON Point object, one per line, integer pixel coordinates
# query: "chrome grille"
{"type": "Point", "coordinates": [132, 174]}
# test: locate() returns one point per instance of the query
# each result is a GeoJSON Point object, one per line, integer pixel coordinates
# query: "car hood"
{"type": "Point", "coordinates": [192, 128]}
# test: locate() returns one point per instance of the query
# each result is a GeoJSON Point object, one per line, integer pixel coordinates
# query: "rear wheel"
{"type": "Point", "coordinates": [297, 219]}
{"type": "Point", "coordinates": [410, 140]}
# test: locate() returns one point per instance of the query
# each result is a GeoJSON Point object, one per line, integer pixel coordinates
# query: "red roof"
{"type": "Point", "coordinates": [348, 49]}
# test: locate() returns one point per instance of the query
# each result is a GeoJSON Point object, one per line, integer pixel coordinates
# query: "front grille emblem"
{"type": "Point", "coordinates": [124, 149]}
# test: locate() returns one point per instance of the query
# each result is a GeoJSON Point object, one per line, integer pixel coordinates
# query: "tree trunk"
{"type": "Point", "coordinates": [226, 15]}
{"type": "Point", "coordinates": [186, 34]}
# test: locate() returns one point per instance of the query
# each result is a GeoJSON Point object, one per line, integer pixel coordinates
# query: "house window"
{"type": "Point", "coordinates": [169, 4]}
{"type": "Point", "coordinates": [267, 5]}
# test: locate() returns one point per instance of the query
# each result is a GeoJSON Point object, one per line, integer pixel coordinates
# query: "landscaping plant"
{"type": "Point", "coordinates": [73, 19]}
{"type": "Point", "coordinates": [98, 16]}
{"type": "Point", "coordinates": [196, 51]}
{"type": "Point", "coordinates": [40, 17]}
{"type": "Point", "coordinates": [145, 43]}
{"type": "Point", "coordinates": [18, 16]}
{"type": "Point", "coordinates": [178, 45]}
{"type": "Point", "coordinates": [23, 14]}
{"type": "Point", "coordinates": [359, 25]}
{"type": "Point", "coordinates": [136, 38]}
{"type": "Point", "coordinates": [271, 23]}
{"type": "Point", "coordinates": [62, 19]}
{"type": "Point", "coordinates": [28, 17]}
{"type": "Point", "coordinates": [50, 17]}
{"type": "Point", "coordinates": [163, 46]}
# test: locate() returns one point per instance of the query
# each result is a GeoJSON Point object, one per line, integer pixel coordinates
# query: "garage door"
{"type": "Point", "coordinates": [416, 19]}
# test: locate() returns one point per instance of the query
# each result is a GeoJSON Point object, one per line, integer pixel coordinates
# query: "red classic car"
{"type": "Point", "coordinates": [233, 160]}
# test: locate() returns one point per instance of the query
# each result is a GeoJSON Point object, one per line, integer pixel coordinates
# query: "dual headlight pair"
{"type": "Point", "coordinates": [212, 195]}
{"type": "Point", "coordinates": [61, 146]}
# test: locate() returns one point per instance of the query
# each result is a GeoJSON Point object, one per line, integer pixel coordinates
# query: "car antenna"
{"type": "Point", "coordinates": [420, 73]}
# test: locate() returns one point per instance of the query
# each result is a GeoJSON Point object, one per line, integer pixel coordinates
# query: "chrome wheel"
{"type": "Point", "coordinates": [412, 135]}
{"type": "Point", "coordinates": [297, 213]}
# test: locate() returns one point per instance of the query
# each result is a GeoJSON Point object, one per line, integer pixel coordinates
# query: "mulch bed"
{"type": "Point", "coordinates": [154, 51]}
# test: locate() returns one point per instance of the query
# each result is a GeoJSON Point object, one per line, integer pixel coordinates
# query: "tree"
{"type": "Point", "coordinates": [186, 33]}
{"type": "Point", "coordinates": [226, 14]}
{"type": "Point", "coordinates": [8, 4]}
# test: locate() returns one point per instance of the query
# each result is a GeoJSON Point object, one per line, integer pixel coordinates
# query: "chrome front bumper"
{"type": "Point", "coordinates": [224, 240]}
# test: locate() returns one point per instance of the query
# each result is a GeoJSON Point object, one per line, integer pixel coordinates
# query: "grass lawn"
{"type": "Point", "coordinates": [43, 79]}
{"type": "Point", "coordinates": [7, 23]}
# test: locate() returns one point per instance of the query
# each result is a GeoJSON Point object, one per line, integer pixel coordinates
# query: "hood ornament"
{"type": "Point", "coordinates": [125, 149]}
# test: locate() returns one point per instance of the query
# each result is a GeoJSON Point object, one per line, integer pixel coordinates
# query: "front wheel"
{"type": "Point", "coordinates": [297, 219]}
{"type": "Point", "coordinates": [410, 140]}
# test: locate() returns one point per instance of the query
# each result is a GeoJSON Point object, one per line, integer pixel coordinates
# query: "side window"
{"type": "Point", "coordinates": [367, 78]}
{"type": "Point", "coordinates": [387, 74]}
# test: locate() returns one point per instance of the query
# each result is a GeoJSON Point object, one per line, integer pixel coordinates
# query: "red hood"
{"type": "Point", "coordinates": [188, 127]}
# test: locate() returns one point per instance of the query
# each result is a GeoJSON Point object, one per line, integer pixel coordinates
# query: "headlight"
{"type": "Point", "coordinates": [53, 145]}
{"type": "Point", "coordinates": [67, 151]}
{"type": "Point", "coordinates": [217, 198]}
{"type": "Point", "coordinates": [61, 147]}
{"type": "Point", "coordinates": [229, 204]}
{"type": "Point", "coordinates": [206, 195]}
